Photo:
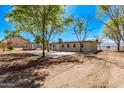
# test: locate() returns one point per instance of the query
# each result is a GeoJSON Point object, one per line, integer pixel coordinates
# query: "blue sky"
{"type": "Point", "coordinates": [67, 35]}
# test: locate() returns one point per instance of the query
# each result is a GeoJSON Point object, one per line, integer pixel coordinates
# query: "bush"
{"type": "Point", "coordinates": [10, 47]}
{"type": "Point", "coordinates": [0, 45]}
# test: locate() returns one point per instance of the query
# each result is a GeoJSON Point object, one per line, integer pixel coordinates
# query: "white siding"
{"type": "Point", "coordinates": [89, 47]}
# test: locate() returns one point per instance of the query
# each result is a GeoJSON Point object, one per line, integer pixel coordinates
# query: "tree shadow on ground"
{"type": "Point", "coordinates": [14, 56]}
{"type": "Point", "coordinates": [24, 79]}
{"type": "Point", "coordinates": [38, 62]}
{"type": "Point", "coordinates": [28, 74]}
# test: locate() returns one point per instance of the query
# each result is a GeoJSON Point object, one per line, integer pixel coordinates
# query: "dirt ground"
{"type": "Point", "coordinates": [102, 70]}
{"type": "Point", "coordinates": [0, 50]}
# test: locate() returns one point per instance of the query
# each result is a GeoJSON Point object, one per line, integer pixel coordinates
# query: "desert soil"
{"type": "Point", "coordinates": [105, 69]}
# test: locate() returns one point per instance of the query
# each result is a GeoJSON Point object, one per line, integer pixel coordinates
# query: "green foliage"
{"type": "Point", "coordinates": [112, 33]}
{"type": "Point", "coordinates": [68, 20]}
{"type": "Point", "coordinates": [82, 27]}
{"type": "Point", "coordinates": [43, 20]}
{"type": "Point", "coordinates": [115, 13]}
{"type": "Point", "coordinates": [102, 10]}
{"type": "Point", "coordinates": [30, 18]}
{"type": "Point", "coordinates": [6, 31]}
{"type": "Point", "coordinates": [104, 7]}
{"type": "Point", "coordinates": [10, 34]}
{"type": "Point", "coordinates": [10, 47]}
{"type": "Point", "coordinates": [34, 19]}
{"type": "Point", "coordinates": [38, 39]}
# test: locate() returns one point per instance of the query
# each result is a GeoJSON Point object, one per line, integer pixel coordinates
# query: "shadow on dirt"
{"type": "Point", "coordinates": [20, 72]}
{"type": "Point", "coordinates": [13, 57]}
{"type": "Point", "coordinates": [24, 79]}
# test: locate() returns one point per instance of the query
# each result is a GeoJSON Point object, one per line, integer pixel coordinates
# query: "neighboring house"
{"type": "Point", "coordinates": [17, 42]}
{"type": "Point", "coordinates": [31, 46]}
{"type": "Point", "coordinates": [74, 46]}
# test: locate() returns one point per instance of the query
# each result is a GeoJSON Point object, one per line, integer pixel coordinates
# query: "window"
{"type": "Point", "coordinates": [53, 46]}
{"type": "Point", "coordinates": [74, 45]}
{"type": "Point", "coordinates": [81, 45]}
{"type": "Point", "coordinates": [67, 45]}
{"type": "Point", "coordinates": [62, 45]}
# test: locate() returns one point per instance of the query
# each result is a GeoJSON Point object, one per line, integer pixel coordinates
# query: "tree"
{"type": "Point", "coordinates": [3, 46]}
{"type": "Point", "coordinates": [115, 13]}
{"type": "Point", "coordinates": [99, 40]}
{"type": "Point", "coordinates": [81, 28]}
{"type": "Point", "coordinates": [9, 34]}
{"type": "Point", "coordinates": [38, 39]}
{"type": "Point", "coordinates": [57, 25]}
{"type": "Point", "coordinates": [0, 44]}
{"type": "Point", "coordinates": [34, 19]}
{"type": "Point", "coordinates": [113, 35]}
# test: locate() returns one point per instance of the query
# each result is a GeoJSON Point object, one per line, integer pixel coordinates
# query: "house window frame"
{"type": "Point", "coordinates": [62, 45]}
{"type": "Point", "coordinates": [81, 45]}
{"type": "Point", "coordinates": [74, 45]}
{"type": "Point", "coordinates": [53, 45]}
{"type": "Point", "coordinates": [68, 45]}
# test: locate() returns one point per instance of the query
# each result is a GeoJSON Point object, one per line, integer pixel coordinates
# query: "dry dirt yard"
{"type": "Point", "coordinates": [102, 70]}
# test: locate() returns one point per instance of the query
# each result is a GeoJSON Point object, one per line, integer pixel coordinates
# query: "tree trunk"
{"type": "Point", "coordinates": [47, 46]}
{"type": "Point", "coordinates": [43, 53]}
{"type": "Point", "coordinates": [3, 47]}
{"type": "Point", "coordinates": [99, 46]}
{"type": "Point", "coordinates": [118, 47]}
{"type": "Point", "coordinates": [80, 47]}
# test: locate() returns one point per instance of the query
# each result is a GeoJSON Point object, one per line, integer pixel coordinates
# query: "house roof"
{"type": "Point", "coordinates": [31, 43]}
{"type": "Point", "coordinates": [6, 40]}
{"type": "Point", "coordinates": [73, 41]}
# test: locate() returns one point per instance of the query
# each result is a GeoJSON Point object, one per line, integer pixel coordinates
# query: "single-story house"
{"type": "Point", "coordinates": [17, 42]}
{"type": "Point", "coordinates": [31, 46]}
{"type": "Point", "coordinates": [74, 46]}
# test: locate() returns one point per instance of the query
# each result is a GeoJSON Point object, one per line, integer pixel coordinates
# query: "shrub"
{"type": "Point", "coordinates": [10, 47]}
{"type": "Point", "coordinates": [0, 45]}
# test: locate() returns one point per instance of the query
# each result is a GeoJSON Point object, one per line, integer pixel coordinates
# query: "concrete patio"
{"type": "Point", "coordinates": [53, 54]}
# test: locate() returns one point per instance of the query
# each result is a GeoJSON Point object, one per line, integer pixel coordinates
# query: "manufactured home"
{"type": "Point", "coordinates": [74, 46]}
